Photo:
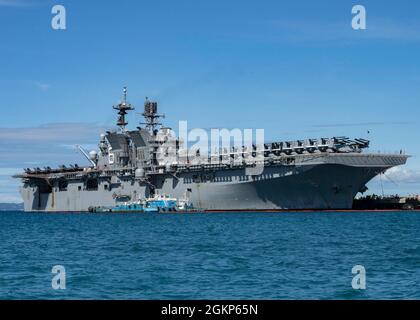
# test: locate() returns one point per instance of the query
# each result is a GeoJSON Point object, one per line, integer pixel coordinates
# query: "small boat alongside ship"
{"type": "Point", "coordinates": [156, 204]}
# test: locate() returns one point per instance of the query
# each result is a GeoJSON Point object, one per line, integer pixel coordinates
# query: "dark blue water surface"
{"type": "Point", "coordinates": [210, 256]}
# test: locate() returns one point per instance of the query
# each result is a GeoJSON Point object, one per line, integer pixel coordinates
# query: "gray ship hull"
{"type": "Point", "coordinates": [327, 181]}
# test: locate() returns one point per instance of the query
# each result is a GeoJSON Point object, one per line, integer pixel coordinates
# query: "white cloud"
{"type": "Point", "coordinates": [9, 187]}
{"type": "Point", "coordinates": [10, 198]}
{"type": "Point", "coordinates": [42, 86]}
{"type": "Point", "coordinates": [9, 171]}
{"type": "Point", "coordinates": [47, 145]}
{"type": "Point", "coordinates": [55, 132]}
{"type": "Point", "coordinates": [403, 175]}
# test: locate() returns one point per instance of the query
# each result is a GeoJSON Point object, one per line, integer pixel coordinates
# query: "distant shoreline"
{"type": "Point", "coordinates": [11, 206]}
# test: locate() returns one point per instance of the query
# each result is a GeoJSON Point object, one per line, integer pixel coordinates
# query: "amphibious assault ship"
{"type": "Point", "coordinates": [130, 165]}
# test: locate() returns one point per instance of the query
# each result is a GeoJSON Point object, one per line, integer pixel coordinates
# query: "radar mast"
{"type": "Point", "coordinates": [151, 116]}
{"type": "Point", "coordinates": [122, 108]}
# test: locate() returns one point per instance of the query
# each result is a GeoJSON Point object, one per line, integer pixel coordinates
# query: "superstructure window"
{"type": "Point", "coordinates": [62, 185]}
{"type": "Point", "coordinates": [111, 158]}
{"type": "Point", "coordinates": [45, 188]}
{"type": "Point", "coordinates": [92, 185]}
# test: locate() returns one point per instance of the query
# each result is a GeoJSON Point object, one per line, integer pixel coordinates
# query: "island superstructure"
{"type": "Point", "coordinates": [130, 165]}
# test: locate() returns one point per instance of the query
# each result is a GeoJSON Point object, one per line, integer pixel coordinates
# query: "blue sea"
{"type": "Point", "coordinates": [210, 256]}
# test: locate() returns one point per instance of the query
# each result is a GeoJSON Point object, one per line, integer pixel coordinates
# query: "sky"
{"type": "Point", "coordinates": [294, 68]}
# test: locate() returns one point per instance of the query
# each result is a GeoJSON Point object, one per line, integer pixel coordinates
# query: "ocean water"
{"type": "Point", "coordinates": [210, 256]}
